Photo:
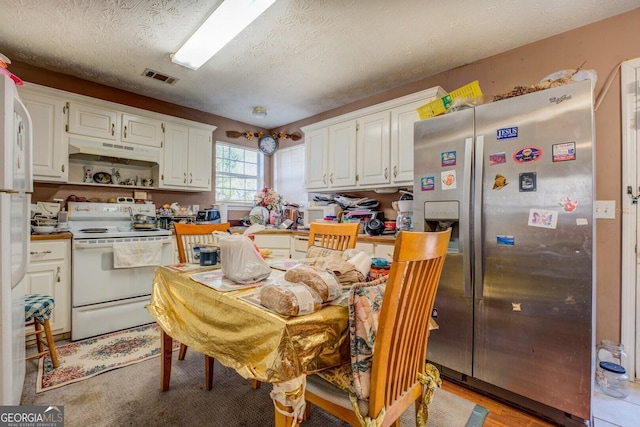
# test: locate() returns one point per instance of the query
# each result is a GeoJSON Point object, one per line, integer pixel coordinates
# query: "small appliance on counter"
{"type": "Point", "coordinates": [208, 216]}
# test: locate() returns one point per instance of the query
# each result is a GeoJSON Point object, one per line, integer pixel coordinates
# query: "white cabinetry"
{"type": "Point", "coordinates": [365, 149]}
{"type": "Point", "coordinates": [317, 157]}
{"type": "Point", "coordinates": [49, 273]}
{"type": "Point", "coordinates": [89, 120]}
{"type": "Point", "coordinates": [188, 155]}
{"type": "Point", "coordinates": [342, 155]}
{"type": "Point", "coordinates": [50, 150]}
{"type": "Point", "coordinates": [141, 130]}
{"type": "Point", "coordinates": [373, 149]}
{"type": "Point", "coordinates": [279, 244]}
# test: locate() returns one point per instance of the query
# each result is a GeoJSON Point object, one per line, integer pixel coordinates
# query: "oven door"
{"type": "Point", "coordinates": [95, 280]}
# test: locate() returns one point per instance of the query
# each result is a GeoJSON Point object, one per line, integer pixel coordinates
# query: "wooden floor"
{"type": "Point", "coordinates": [500, 414]}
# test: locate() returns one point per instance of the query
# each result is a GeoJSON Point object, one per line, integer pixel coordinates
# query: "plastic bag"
{"type": "Point", "coordinates": [290, 299]}
{"type": "Point", "coordinates": [240, 261]}
{"type": "Point", "coordinates": [324, 282]}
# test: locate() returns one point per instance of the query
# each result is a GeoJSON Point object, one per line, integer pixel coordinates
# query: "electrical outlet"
{"type": "Point", "coordinates": [606, 209]}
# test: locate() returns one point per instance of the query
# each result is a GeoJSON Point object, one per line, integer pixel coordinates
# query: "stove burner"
{"type": "Point", "coordinates": [93, 230]}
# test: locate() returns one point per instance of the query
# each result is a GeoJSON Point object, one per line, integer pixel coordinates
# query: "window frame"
{"type": "Point", "coordinates": [218, 174]}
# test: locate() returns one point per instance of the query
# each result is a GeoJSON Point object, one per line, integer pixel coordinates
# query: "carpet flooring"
{"type": "Point", "coordinates": [131, 396]}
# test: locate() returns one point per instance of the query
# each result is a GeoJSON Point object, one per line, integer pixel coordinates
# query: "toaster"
{"type": "Point", "coordinates": [208, 216]}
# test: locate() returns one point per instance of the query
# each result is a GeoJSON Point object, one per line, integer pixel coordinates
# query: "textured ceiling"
{"type": "Point", "coordinates": [300, 58]}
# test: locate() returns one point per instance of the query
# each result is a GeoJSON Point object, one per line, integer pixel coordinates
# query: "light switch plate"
{"type": "Point", "coordinates": [606, 209]}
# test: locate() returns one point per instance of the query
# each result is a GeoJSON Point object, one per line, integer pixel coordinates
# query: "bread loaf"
{"type": "Point", "coordinates": [289, 299]}
{"type": "Point", "coordinates": [324, 282]}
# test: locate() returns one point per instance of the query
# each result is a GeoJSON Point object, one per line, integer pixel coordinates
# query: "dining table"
{"type": "Point", "coordinates": [199, 307]}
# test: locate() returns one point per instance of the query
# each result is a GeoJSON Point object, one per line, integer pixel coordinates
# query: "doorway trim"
{"type": "Point", "coordinates": [630, 300]}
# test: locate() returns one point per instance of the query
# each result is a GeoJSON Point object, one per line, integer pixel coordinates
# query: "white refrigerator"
{"type": "Point", "coordinates": [16, 184]}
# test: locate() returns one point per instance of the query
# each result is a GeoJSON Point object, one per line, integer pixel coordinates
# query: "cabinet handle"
{"type": "Point", "coordinates": [331, 178]}
{"type": "Point", "coordinates": [386, 173]}
{"type": "Point", "coordinates": [39, 252]}
{"type": "Point", "coordinates": [324, 178]}
{"type": "Point", "coordinates": [190, 177]}
{"type": "Point", "coordinates": [62, 168]}
{"type": "Point", "coordinates": [58, 275]}
{"type": "Point", "coordinates": [395, 171]}
{"type": "Point", "coordinates": [113, 129]}
{"type": "Point", "coordinates": [125, 132]}
{"type": "Point", "coordinates": [185, 178]}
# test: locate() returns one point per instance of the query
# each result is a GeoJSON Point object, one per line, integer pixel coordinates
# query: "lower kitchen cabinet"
{"type": "Point", "coordinates": [49, 273]}
{"type": "Point", "coordinates": [279, 244]}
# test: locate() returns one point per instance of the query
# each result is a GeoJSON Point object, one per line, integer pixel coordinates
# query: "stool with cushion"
{"type": "Point", "coordinates": [38, 309]}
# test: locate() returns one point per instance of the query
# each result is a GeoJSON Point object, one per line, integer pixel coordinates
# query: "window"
{"type": "Point", "coordinates": [288, 174]}
{"type": "Point", "coordinates": [238, 173]}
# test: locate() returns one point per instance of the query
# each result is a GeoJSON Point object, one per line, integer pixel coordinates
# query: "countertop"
{"type": "Point", "coordinates": [53, 236]}
{"type": "Point", "coordinates": [364, 238]}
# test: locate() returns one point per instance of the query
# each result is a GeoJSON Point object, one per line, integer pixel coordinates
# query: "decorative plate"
{"type": "Point", "coordinates": [259, 215]}
{"type": "Point", "coordinates": [102, 178]}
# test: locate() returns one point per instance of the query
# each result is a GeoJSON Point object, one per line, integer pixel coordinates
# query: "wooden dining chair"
{"type": "Point", "coordinates": [398, 374]}
{"type": "Point", "coordinates": [190, 235]}
{"type": "Point", "coordinates": [333, 235]}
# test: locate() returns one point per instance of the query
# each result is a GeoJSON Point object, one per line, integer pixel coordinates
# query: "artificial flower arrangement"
{"type": "Point", "coordinates": [269, 199]}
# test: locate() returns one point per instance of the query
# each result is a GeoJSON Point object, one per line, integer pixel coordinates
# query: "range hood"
{"type": "Point", "coordinates": [113, 152]}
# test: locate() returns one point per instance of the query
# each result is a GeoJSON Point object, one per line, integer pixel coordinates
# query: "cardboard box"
{"type": "Point", "coordinates": [441, 105]}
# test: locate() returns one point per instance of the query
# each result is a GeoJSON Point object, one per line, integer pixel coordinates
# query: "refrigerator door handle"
{"type": "Point", "coordinates": [478, 278]}
{"type": "Point", "coordinates": [465, 232]}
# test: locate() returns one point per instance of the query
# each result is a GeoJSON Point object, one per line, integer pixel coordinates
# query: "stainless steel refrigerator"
{"type": "Point", "coordinates": [515, 180]}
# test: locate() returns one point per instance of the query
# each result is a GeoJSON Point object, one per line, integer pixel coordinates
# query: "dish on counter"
{"type": "Point", "coordinates": [102, 178]}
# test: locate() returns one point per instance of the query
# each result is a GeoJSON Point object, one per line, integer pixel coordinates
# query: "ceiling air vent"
{"type": "Point", "coordinates": [158, 76]}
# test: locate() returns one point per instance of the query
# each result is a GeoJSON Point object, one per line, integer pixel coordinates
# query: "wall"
{"type": "Point", "coordinates": [601, 47]}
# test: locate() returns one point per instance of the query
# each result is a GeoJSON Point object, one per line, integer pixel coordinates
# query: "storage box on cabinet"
{"type": "Point", "coordinates": [49, 273]}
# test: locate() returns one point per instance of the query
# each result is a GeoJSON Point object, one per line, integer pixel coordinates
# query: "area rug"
{"type": "Point", "coordinates": [84, 359]}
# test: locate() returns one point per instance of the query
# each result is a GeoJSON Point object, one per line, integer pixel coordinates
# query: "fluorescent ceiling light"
{"type": "Point", "coordinates": [226, 22]}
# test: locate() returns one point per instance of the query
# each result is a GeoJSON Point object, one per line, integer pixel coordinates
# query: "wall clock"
{"type": "Point", "coordinates": [268, 145]}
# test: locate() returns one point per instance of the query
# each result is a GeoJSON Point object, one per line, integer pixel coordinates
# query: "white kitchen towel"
{"type": "Point", "coordinates": [137, 254]}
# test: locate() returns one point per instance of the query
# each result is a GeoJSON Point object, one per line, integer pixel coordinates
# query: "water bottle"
{"type": "Point", "coordinates": [611, 373]}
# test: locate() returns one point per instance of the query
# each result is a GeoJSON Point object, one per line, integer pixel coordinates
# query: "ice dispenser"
{"type": "Point", "coordinates": [441, 215]}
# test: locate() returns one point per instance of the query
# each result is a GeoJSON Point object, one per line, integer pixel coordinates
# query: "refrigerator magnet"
{"type": "Point", "coordinates": [505, 240]}
{"type": "Point", "coordinates": [528, 181]}
{"type": "Point", "coordinates": [527, 154]}
{"type": "Point", "coordinates": [563, 152]}
{"type": "Point", "coordinates": [497, 158]}
{"type": "Point", "coordinates": [448, 179]}
{"type": "Point", "coordinates": [568, 204]}
{"type": "Point", "coordinates": [448, 158]}
{"type": "Point", "coordinates": [499, 182]}
{"type": "Point", "coordinates": [428, 183]}
{"type": "Point", "coordinates": [507, 133]}
{"type": "Point", "coordinates": [543, 218]}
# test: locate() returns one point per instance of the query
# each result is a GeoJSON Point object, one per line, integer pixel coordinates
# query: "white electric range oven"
{"type": "Point", "coordinates": [108, 297]}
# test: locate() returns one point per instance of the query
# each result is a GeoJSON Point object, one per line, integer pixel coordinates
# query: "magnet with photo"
{"type": "Point", "coordinates": [528, 181]}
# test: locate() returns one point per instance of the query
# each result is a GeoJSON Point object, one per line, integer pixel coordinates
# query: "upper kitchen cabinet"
{"type": "Point", "coordinates": [141, 130]}
{"type": "Point", "coordinates": [188, 157]}
{"type": "Point", "coordinates": [103, 123]}
{"type": "Point", "coordinates": [365, 149]}
{"type": "Point", "coordinates": [89, 120]}
{"type": "Point", "coordinates": [50, 151]}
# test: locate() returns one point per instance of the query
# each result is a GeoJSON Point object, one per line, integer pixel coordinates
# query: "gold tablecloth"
{"type": "Point", "coordinates": [255, 342]}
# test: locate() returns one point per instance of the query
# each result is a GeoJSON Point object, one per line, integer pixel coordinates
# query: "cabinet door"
{"type": "Point", "coordinates": [342, 155]}
{"type": "Point", "coordinates": [49, 274]}
{"type": "Point", "coordinates": [92, 121]}
{"type": "Point", "coordinates": [316, 144]}
{"type": "Point", "coordinates": [141, 130]}
{"type": "Point", "coordinates": [175, 155]}
{"type": "Point", "coordinates": [200, 158]}
{"type": "Point", "coordinates": [50, 152]}
{"type": "Point", "coordinates": [373, 149]}
{"type": "Point", "coordinates": [402, 121]}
